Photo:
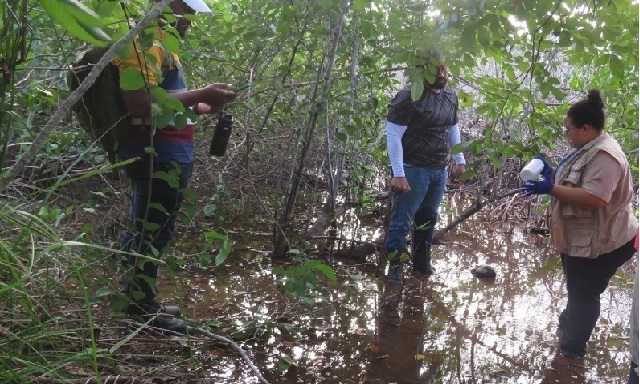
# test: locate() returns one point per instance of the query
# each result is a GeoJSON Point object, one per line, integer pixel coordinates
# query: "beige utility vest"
{"type": "Point", "coordinates": [590, 232]}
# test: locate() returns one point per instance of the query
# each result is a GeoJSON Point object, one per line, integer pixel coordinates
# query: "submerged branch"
{"type": "Point", "coordinates": [344, 239]}
{"type": "Point", "coordinates": [235, 347]}
{"type": "Point", "coordinates": [203, 332]}
{"type": "Point", "coordinates": [472, 211]}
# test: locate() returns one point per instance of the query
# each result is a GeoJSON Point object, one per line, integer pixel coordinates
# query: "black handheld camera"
{"type": "Point", "coordinates": [221, 135]}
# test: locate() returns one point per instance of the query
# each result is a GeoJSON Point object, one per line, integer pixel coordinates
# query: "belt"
{"type": "Point", "coordinates": [147, 121]}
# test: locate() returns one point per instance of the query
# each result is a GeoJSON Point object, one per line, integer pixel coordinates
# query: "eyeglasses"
{"type": "Point", "coordinates": [567, 129]}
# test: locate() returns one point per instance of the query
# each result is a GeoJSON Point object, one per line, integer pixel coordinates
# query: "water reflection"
{"type": "Point", "coordinates": [453, 328]}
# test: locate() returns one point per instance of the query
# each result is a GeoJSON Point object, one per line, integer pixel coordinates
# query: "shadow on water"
{"type": "Point", "coordinates": [452, 328]}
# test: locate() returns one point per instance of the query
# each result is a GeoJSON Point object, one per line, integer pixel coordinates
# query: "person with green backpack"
{"type": "Point", "coordinates": [156, 201]}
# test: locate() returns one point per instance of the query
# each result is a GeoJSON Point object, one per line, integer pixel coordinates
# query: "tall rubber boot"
{"type": "Point", "coordinates": [143, 281]}
{"type": "Point", "coordinates": [395, 267]}
{"type": "Point", "coordinates": [421, 254]}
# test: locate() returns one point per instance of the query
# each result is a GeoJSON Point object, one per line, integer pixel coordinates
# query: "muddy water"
{"type": "Point", "coordinates": [452, 328]}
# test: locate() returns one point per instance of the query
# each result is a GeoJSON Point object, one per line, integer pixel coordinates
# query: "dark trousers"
{"type": "Point", "coordinates": [155, 202]}
{"type": "Point", "coordinates": [586, 280]}
{"type": "Point", "coordinates": [633, 375]}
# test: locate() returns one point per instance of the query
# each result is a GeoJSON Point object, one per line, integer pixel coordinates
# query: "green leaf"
{"type": "Point", "coordinates": [171, 43]}
{"type": "Point", "coordinates": [188, 193]}
{"type": "Point", "coordinates": [557, 93]}
{"type": "Point", "coordinates": [209, 210]}
{"type": "Point", "coordinates": [79, 20]}
{"type": "Point", "coordinates": [104, 291]}
{"type": "Point", "coordinates": [163, 116]}
{"type": "Point", "coordinates": [350, 128]}
{"type": "Point", "coordinates": [215, 235]}
{"type": "Point", "coordinates": [327, 271]}
{"type": "Point", "coordinates": [131, 80]}
{"type": "Point", "coordinates": [417, 88]}
{"type": "Point", "coordinates": [171, 179]}
{"type": "Point", "coordinates": [119, 303]}
{"type": "Point", "coordinates": [181, 121]}
{"type": "Point", "coordinates": [616, 66]}
{"type": "Point", "coordinates": [221, 257]}
{"type": "Point", "coordinates": [106, 8]}
{"type": "Point", "coordinates": [158, 93]}
{"type": "Point", "coordinates": [74, 9]}
{"type": "Point", "coordinates": [359, 5]}
{"type": "Point", "coordinates": [484, 109]}
{"type": "Point", "coordinates": [174, 104]}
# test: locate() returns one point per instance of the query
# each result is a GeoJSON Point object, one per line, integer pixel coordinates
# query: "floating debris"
{"type": "Point", "coordinates": [484, 272]}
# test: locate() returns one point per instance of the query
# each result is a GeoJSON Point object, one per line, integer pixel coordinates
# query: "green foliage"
{"type": "Point", "coordinates": [30, 253]}
{"type": "Point", "coordinates": [302, 281]}
{"type": "Point", "coordinates": [219, 241]}
{"type": "Point", "coordinates": [79, 20]}
{"type": "Point", "coordinates": [403, 257]}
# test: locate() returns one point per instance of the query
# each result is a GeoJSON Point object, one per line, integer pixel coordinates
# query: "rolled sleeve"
{"type": "Point", "coordinates": [601, 176]}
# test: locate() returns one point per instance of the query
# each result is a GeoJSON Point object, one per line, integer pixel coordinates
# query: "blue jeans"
{"type": "Point", "coordinates": [586, 280]}
{"type": "Point", "coordinates": [417, 208]}
{"type": "Point", "coordinates": [155, 203]}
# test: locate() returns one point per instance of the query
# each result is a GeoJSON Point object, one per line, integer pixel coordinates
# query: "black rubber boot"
{"type": "Point", "coordinates": [172, 310]}
{"type": "Point", "coordinates": [160, 318]}
{"type": "Point", "coordinates": [155, 307]}
{"type": "Point", "coordinates": [395, 267]}
{"type": "Point", "coordinates": [421, 254]}
{"type": "Point", "coordinates": [143, 306]}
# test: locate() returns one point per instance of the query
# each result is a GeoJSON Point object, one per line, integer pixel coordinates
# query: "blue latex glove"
{"type": "Point", "coordinates": [542, 187]}
{"type": "Point", "coordinates": [546, 167]}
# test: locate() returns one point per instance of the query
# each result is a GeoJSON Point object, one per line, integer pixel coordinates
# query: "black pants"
{"type": "Point", "coordinates": [155, 203]}
{"type": "Point", "coordinates": [633, 375]}
{"type": "Point", "coordinates": [586, 280]}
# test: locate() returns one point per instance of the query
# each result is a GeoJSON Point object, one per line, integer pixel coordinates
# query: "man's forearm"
{"type": "Point", "coordinates": [454, 139]}
{"type": "Point", "coordinates": [394, 147]}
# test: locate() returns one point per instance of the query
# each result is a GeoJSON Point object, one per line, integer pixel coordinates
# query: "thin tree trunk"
{"type": "Point", "coordinates": [336, 174]}
{"type": "Point", "coordinates": [283, 228]}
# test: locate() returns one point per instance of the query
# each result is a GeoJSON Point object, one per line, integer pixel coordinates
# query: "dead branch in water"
{"type": "Point", "coordinates": [472, 211]}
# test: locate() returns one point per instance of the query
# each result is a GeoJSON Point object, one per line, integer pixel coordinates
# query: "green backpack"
{"type": "Point", "coordinates": [101, 111]}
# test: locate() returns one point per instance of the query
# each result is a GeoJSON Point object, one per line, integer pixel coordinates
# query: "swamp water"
{"type": "Point", "coordinates": [452, 328]}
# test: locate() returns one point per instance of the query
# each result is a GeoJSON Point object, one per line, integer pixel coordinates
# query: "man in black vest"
{"type": "Point", "coordinates": [419, 137]}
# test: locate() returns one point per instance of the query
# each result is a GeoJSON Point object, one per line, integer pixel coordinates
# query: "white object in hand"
{"type": "Point", "coordinates": [532, 170]}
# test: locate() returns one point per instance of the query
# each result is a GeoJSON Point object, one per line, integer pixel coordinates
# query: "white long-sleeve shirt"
{"type": "Point", "coordinates": [394, 146]}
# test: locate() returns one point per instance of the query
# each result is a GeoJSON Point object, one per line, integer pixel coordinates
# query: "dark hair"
{"type": "Point", "coordinates": [588, 111]}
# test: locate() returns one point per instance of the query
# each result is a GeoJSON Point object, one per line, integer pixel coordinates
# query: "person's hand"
{"type": "Point", "coordinates": [547, 168]}
{"type": "Point", "coordinates": [542, 187]}
{"type": "Point", "coordinates": [457, 171]}
{"type": "Point", "coordinates": [400, 185]}
{"type": "Point", "coordinates": [215, 96]}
